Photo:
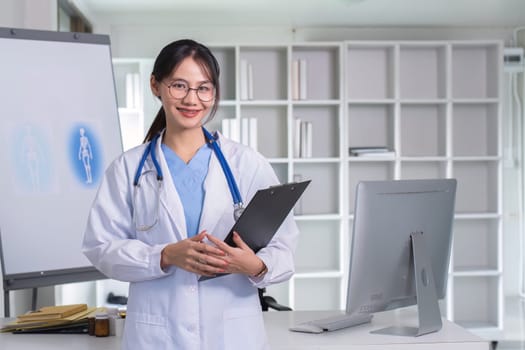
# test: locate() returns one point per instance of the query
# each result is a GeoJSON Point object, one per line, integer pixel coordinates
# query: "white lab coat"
{"type": "Point", "coordinates": [172, 310]}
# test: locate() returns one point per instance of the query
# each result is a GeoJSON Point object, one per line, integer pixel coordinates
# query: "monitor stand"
{"type": "Point", "coordinates": [429, 315]}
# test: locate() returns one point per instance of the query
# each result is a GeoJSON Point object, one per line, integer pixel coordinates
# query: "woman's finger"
{"type": "Point", "coordinates": [220, 244]}
{"type": "Point", "coordinates": [240, 243]}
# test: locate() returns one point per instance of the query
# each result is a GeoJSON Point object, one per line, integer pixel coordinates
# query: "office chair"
{"type": "Point", "coordinates": [269, 302]}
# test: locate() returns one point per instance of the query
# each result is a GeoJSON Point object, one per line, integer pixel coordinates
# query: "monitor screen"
{"type": "Point", "coordinates": [381, 275]}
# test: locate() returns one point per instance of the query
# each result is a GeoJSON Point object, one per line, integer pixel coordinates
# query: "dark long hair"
{"type": "Point", "coordinates": [168, 59]}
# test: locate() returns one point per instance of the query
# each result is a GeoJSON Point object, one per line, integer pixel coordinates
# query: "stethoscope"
{"type": "Point", "coordinates": [150, 151]}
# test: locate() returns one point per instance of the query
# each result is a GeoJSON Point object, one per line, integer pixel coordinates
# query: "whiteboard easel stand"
{"type": "Point", "coordinates": [34, 280]}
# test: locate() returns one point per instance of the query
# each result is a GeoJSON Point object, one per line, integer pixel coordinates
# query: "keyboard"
{"type": "Point", "coordinates": [332, 323]}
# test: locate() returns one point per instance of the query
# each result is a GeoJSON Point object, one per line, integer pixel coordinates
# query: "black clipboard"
{"type": "Point", "coordinates": [264, 215]}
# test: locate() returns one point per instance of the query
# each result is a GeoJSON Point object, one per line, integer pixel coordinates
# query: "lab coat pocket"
{"type": "Point", "coordinates": [144, 330]}
{"type": "Point", "coordinates": [244, 329]}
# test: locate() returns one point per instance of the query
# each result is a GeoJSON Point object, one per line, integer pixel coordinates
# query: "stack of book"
{"type": "Point", "coordinates": [245, 133]}
{"type": "Point", "coordinates": [54, 319]}
{"type": "Point", "coordinates": [371, 151]}
{"type": "Point", "coordinates": [303, 138]}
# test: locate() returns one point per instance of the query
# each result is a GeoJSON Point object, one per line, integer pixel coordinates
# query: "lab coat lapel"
{"type": "Point", "coordinates": [217, 198]}
{"type": "Point", "coordinates": [169, 197]}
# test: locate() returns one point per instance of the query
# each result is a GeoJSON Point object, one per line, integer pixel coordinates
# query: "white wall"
{"type": "Point", "coordinates": [30, 14]}
{"type": "Point", "coordinates": [131, 38]}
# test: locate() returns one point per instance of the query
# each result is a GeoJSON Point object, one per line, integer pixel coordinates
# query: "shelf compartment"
{"type": "Point", "coordinates": [475, 301]}
{"type": "Point", "coordinates": [271, 120]}
{"type": "Point", "coordinates": [367, 171]}
{"type": "Point", "coordinates": [370, 72]}
{"type": "Point", "coordinates": [226, 58]}
{"type": "Point", "coordinates": [475, 130]}
{"type": "Point", "coordinates": [322, 71]}
{"type": "Point", "coordinates": [477, 189]}
{"type": "Point", "coordinates": [481, 234]}
{"type": "Point", "coordinates": [474, 72]}
{"type": "Point", "coordinates": [317, 294]}
{"type": "Point", "coordinates": [223, 112]}
{"type": "Point", "coordinates": [269, 68]}
{"type": "Point", "coordinates": [423, 170]}
{"type": "Point", "coordinates": [321, 237]}
{"type": "Point", "coordinates": [325, 128]}
{"type": "Point", "coordinates": [322, 195]}
{"type": "Point", "coordinates": [371, 125]}
{"type": "Point", "coordinates": [423, 130]}
{"type": "Point", "coordinates": [422, 72]}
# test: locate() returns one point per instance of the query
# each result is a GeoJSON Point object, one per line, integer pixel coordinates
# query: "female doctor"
{"type": "Point", "coordinates": [163, 209]}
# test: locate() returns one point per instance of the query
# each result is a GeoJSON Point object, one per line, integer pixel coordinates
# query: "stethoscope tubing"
{"type": "Point", "coordinates": [234, 190]}
{"type": "Point", "coordinates": [150, 150]}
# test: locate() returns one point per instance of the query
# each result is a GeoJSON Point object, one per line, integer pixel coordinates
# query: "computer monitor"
{"type": "Point", "coordinates": [401, 229]}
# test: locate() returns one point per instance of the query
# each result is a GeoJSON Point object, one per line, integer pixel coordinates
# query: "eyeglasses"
{"type": "Point", "coordinates": [180, 89]}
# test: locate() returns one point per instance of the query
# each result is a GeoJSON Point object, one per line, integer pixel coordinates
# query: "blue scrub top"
{"type": "Point", "coordinates": [189, 182]}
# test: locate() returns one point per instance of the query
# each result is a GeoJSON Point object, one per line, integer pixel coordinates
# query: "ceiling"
{"type": "Point", "coordinates": [311, 13]}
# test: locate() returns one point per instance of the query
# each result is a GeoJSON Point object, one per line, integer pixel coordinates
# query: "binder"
{"type": "Point", "coordinates": [264, 215]}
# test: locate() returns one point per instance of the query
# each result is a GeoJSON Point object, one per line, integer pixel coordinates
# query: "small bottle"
{"type": "Point", "coordinates": [91, 325]}
{"type": "Point", "coordinates": [102, 325]}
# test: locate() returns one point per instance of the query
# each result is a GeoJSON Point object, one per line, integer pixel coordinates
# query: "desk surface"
{"type": "Point", "coordinates": [451, 337]}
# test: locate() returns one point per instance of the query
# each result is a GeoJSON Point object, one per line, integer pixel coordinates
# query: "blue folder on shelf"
{"type": "Point", "coordinates": [264, 215]}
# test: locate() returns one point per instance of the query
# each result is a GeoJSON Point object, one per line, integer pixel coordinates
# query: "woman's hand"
{"type": "Point", "coordinates": [195, 256]}
{"type": "Point", "coordinates": [240, 259]}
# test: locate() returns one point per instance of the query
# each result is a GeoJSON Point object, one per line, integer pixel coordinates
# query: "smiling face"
{"type": "Point", "coordinates": [188, 111]}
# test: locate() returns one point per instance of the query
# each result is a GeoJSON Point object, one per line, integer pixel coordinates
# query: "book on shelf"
{"type": "Point", "coordinates": [371, 151]}
{"type": "Point", "coordinates": [133, 91]}
{"type": "Point", "coordinates": [299, 79]}
{"type": "Point", "coordinates": [230, 129]}
{"type": "Point", "coordinates": [303, 138]}
{"type": "Point", "coordinates": [302, 79]}
{"type": "Point", "coordinates": [244, 132]}
{"type": "Point", "coordinates": [295, 79]}
{"type": "Point", "coordinates": [250, 81]}
{"type": "Point", "coordinates": [246, 80]}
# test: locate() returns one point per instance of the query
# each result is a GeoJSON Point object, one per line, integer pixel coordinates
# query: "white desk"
{"type": "Point", "coordinates": [451, 337]}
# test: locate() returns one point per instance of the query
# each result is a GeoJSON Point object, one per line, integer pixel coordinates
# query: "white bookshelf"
{"type": "Point", "coordinates": [437, 104]}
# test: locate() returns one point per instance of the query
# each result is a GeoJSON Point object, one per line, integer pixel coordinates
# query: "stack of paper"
{"type": "Point", "coordinates": [49, 313]}
{"type": "Point", "coordinates": [54, 319]}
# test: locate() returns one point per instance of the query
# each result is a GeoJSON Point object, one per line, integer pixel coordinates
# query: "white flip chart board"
{"type": "Point", "coordinates": [59, 130]}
